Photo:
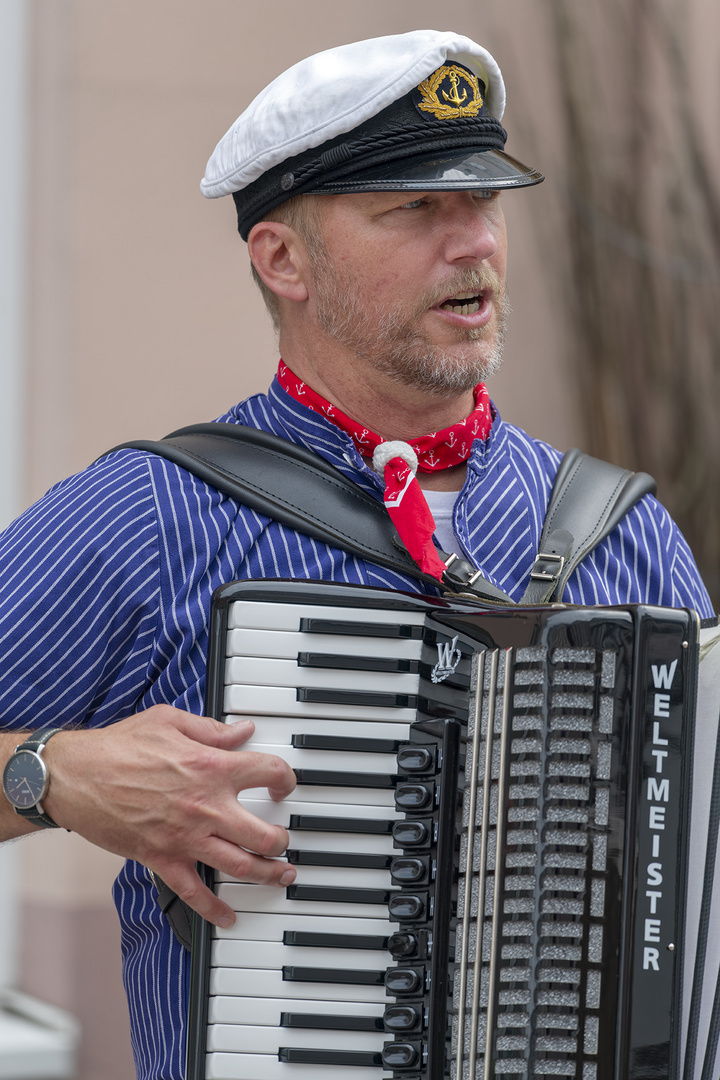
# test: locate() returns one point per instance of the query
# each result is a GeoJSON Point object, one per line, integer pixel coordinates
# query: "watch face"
{"type": "Point", "coordinates": [24, 779]}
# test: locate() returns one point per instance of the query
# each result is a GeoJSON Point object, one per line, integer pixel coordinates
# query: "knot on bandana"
{"type": "Point", "coordinates": [398, 462]}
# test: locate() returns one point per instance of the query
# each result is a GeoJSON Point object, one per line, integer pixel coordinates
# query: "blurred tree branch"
{"type": "Point", "coordinates": [642, 222]}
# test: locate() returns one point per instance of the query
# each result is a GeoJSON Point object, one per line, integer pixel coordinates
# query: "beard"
{"type": "Point", "coordinates": [390, 340]}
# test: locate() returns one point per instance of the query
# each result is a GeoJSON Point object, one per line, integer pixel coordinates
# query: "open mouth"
{"type": "Point", "coordinates": [464, 303]}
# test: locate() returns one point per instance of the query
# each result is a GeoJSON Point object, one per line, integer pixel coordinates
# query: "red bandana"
{"type": "Point", "coordinates": [403, 497]}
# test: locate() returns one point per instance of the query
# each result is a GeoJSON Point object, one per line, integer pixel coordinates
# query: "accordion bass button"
{"type": "Point", "coordinates": [406, 906]}
{"type": "Point", "coordinates": [400, 1055]}
{"type": "Point", "coordinates": [406, 871]}
{"type": "Point", "coordinates": [404, 980]}
{"type": "Point", "coordinates": [414, 796]}
{"type": "Point", "coordinates": [416, 759]}
{"type": "Point", "coordinates": [403, 1017]}
{"type": "Point", "coordinates": [402, 944]}
{"type": "Point", "coordinates": [411, 833]}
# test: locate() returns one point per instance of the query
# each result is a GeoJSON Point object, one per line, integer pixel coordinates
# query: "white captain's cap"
{"type": "Point", "coordinates": [417, 111]}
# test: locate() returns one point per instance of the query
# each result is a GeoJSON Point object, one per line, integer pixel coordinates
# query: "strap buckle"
{"type": "Point", "coordinates": [543, 572]}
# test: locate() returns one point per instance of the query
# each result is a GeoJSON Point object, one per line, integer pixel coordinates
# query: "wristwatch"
{"type": "Point", "coordinates": [26, 779]}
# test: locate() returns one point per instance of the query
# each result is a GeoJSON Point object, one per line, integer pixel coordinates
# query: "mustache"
{"type": "Point", "coordinates": [468, 280]}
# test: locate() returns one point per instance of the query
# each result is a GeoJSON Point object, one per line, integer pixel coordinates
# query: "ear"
{"type": "Point", "coordinates": [279, 256]}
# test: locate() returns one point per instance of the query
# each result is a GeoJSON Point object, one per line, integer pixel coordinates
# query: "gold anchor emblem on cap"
{"type": "Point", "coordinates": [462, 97]}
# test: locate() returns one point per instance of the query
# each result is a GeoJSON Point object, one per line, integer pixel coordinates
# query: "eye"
{"type": "Point", "coordinates": [486, 193]}
{"type": "Point", "coordinates": [412, 205]}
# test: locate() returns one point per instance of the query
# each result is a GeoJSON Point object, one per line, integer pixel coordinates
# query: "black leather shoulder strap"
{"type": "Point", "coordinates": [292, 485]}
{"type": "Point", "coordinates": [589, 498]}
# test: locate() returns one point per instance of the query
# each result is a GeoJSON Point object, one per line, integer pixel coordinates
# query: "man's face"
{"type": "Point", "coordinates": [415, 289]}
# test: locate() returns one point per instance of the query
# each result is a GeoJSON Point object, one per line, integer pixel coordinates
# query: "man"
{"type": "Point", "coordinates": [367, 185]}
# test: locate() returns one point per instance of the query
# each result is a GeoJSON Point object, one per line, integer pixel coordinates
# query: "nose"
{"type": "Point", "coordinates": [475, 228]}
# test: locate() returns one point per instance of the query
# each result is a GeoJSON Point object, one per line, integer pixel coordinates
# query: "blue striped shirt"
{"type": "Point", "coordinates": [105, 595]}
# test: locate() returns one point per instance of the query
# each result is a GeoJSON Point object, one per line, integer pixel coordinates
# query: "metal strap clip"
{"type": "Point", "coordinates": [538, 574]}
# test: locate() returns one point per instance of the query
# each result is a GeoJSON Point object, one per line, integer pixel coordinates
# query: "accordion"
{"type": "Point", "coordinates": [504, 829]}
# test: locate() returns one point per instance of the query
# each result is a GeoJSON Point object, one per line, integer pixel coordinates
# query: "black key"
{"type": "Point", "coordinates": [298, 1056]}
{"type": "Point", "coordinates": [406, 906]}
{"type": "Point", "coordinates": [329, 778]}
{"type": "Point", "coordinates": [359, 629]}
{"type": "Point", "coordinates": [367, 698]}
{"type": "Point", "coordinates": [346, 744]}
{"type": "Point", "coordinates": [334, 894]}
{"type": "Point", "coordinates": [403, 945]}
{"type": "Point", "coordinates": [342, 858]}
{"type": "Point", "coordinates": [314, 940]}
{"type": "Point", "coordinates": [358, 663]}
{"type": "Point", "coordinates": [313, 823]}
{"type": "Point", "coordinates": [331, 1023]}
{"type": "Point", "coordinates": [293, 973]}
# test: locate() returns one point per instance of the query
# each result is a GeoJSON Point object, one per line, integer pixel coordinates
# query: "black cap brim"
{"type": "Point", "coordinates": [467, 170]}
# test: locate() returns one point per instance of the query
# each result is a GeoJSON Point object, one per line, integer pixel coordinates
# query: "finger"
{"type": "Point", "coordinates": [251, 769]}
{"type": "Point", "coordinates": [244, 830]}
{"type": "Point", "coordinates": [185, 881]}
{"type": "Point", "coordinates": [245, 866]}
{"type": "Point", "coordinates": [211, 732]}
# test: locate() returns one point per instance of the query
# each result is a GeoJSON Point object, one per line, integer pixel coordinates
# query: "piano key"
{"type": "Point", "coordinates": [272, 955]}
{"type": "Point", "coordinates": [245, 897]}
{"type": "Point", "coordinates": [313, 793]}
{"type": "Point", "coordinates": [314, 940]}
{"type": "Point", "coordinates": [256, 615]}
{"type": "Point", "coordinates": [350, 877]}
{"type": "Point", "coordinates": [262, 671]}
{"type": "Point", "coordinates": [287, 644]}
{"type": "Point", "coordinates": [268, 1012]}
{"type": "Point", "coordinates": [394, 664]}
{"type": "Point", "coordinates": [266, 1067]}
{"type": "Point", "coordinates": [266, 1040]}
{"type": "Point", "coordinates": [340, 744]}
{"type": "Point", "coordinates": [249, 700]}
{"type": "Point", "coordinates": [353, 626]}
{"type": "Point", "coordinates": [345, 824]}
{"type": "Point", "coordinates": [235, 982]}
{"type": "Point", "coordinates": [338, 858]}
{"type": "Point", "coordinates": [320, 833]}
{"type": "Point", "coordinates": [337, 778]}
{"type": "Point", "coordinates": [301, 1055]}
{"type": "Point", "coordinates": [260, 926]}
{"type": "Point", "coordinates": [328, 760]}
{"type": "Point", "coordinates": [280, 730]}
{"type": "Point", "coordinates": [334, 976]}
{"type": "Point", "coordinates": [331, 1023]}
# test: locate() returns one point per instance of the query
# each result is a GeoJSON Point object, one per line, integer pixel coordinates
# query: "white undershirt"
{"type": "Point", "coordinates": [442, 504]}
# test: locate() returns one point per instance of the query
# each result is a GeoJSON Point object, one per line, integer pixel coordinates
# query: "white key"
{"type": "Point", "coordinates": [309, 840]}
{"type": "Point", "coordinates": [267, 1067]}
{"type": "Point", "coordinates": [261, 671]}
{"type": "Point", "coordinates": [288, 644]}
{"type": "Point", "coordinates": [272, 955]}
{"type": "Point", "coordinates": [242, 897]}
{"type": "Point", "coordinates": [267, 1011]}
{"type": "Point", "coordinates": [233, 982]}
{"type": "Point", "coordinates": [330, 760]}
{"type": "Point", "coordinates": [258, 615]}
{"type": "Point", "coordinates": [259, 926]}
{"type": "Point", "coordinates": [280, 729]}
{"type": "Point", "coordinates": [281, 701]}
{"type": "Point", "coordinates": [344, 877]}
{"type": "Point", "coordinates": [310, 793]}
{"type": "Point", "coordinates": [267, 1040]}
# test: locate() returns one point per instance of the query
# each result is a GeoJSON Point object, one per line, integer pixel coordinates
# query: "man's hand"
{"type": "Point", "coordinates": [161, 787]}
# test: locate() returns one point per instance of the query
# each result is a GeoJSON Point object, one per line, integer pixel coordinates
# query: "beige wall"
{"type": "Point", "coordinates": [142, 316]}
